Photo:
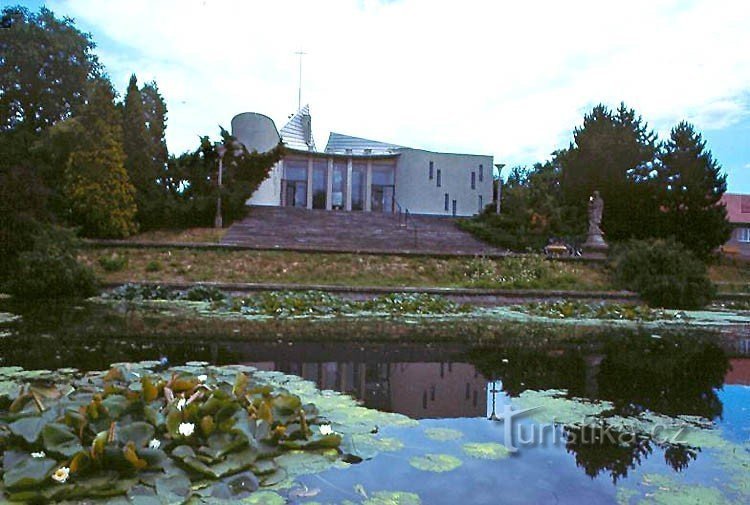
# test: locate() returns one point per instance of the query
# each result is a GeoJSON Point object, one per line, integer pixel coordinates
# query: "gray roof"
{"type": "Point", "coordinates": [297, 133]}
{"type": "Point", "coordinates": [340, 144]}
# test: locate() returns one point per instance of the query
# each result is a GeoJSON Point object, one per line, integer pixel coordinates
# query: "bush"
{"type": "Point", "coordinates": [153, 266]}
{"type": "Point", "coordinates": [50, 269]}
{"type": "Point", "coordinates": [663, 272]}
{"type": "Point", "coordinates": [113, 263]}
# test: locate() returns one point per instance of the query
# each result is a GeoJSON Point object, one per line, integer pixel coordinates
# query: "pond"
{"type": "Point", "coordinates": [603, 416]}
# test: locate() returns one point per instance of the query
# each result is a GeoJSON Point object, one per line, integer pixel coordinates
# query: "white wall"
{"type": "Point", "coordinates": [421, 195]}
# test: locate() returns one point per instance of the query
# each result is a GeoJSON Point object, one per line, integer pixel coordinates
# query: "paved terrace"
{"type": "Point", "coordinates": [303, 229]}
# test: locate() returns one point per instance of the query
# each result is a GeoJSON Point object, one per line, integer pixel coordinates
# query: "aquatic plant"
{"type": "Point", "coordinates": [190, 432]}
{"type": "Point", "coordinates": [567, 309]}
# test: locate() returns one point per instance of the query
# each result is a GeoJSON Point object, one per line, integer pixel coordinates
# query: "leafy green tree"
{"type": "Point", "coordinates": [155, 112]}
{"type": "Point", "coordinates": [193, 181]}
{"type": "Point", "coordinates": [45, 64]}
{"type": "Point", "coordinates": [612, 152]}
{"type": "Point", "coordinates": [691, 185]}
{"type": "Point", "coordinates": [100, 195]}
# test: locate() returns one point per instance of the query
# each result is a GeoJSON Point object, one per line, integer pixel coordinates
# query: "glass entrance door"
{"type": "Point", "coordinates": [296, 194]}
{"type": "Point", "coordinates": [382, 198]}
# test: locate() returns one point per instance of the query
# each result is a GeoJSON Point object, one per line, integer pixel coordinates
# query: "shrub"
{"type": "Point", "coordinates": [50, 269]}
{"type": "Point", "coordinates": [153, 266]}
{"type": "Point", "coordinates": [663, 272]}
{"type": "Point", "coordinates": [113, 263]}
{"type": "Point", "coordinates": [204, 294]}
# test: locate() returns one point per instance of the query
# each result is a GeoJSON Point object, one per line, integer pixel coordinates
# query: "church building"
{"type": "Point", "coordinates": [353, 174]}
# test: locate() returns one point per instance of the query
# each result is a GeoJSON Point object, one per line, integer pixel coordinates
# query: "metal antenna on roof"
{"type": "Point", "coordinates": [299, 93]}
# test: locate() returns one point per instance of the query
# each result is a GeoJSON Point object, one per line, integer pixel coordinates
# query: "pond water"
{"type": "Point", "coordinates": [677, 406]}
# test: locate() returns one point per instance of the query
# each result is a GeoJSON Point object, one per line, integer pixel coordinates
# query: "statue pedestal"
{"type": "Point", "coordinates": [595, 247]}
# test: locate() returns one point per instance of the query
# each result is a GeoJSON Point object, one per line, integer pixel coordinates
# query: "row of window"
{"type": "Point", "coordinates": [439, 182]}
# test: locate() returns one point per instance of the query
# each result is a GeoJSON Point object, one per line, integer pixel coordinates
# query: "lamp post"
{"type": "Point", "coordinates": [221, 150]}
{"type": "Point", "coordinates": [499, 184]}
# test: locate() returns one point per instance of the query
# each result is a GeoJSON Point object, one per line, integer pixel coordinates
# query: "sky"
{"type": "Point", "coordinates": [505, 78]}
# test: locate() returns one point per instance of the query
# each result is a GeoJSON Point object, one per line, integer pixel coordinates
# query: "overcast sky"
{"type": "Point", "coordinates": [510, 79]}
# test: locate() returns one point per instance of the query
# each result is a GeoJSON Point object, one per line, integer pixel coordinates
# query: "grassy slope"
{"type": "Point", "coordinates": [345, 269]}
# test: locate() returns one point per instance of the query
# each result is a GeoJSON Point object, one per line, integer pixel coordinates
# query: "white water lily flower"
{"type": "Point", "coordinates": [181, 403]}
{"type": "Point", "coordinates": [39, 454]}
{"type": "Point", "coordinates": [203, 378]}
{"type": "Point", "coordinates": [186, 429]}
{"type": "Point", "coordinates": [61, 474]}
{"type": "Point", "coordinates": [325, 429]}
{"type": "Point", "coordinates": [154, 444]}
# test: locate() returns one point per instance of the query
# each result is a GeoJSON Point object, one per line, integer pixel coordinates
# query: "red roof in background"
{"type": "Point", "coordinates": [738, 207]}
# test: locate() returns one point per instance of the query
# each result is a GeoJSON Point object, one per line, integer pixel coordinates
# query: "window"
{"type": "Point", "coordinates": [481, 173]}
{"type": "Point", "coordinates": [481, 204]}
{"type": "Point", "coordinates": [473, 180]}
{"type": "Point", "coordinates": [447, 198]}
{"type": "Point", "coordinates": [454, 207]}
{"type": "Point", "coordinates": [743, 234]}
{"type": "Point", "coordinates": [439, 178]}
{"type": "Point", "coordinates": [432, 170]}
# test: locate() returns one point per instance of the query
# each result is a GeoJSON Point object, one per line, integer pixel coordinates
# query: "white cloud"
{"type": "Point", "coordinates": [505, 78]}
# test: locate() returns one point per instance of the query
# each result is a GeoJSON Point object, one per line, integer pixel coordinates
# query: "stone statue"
{"type": "Point", "coordinates": [596, 207]}
{"type": "Point", "coordinates": [595, 246]}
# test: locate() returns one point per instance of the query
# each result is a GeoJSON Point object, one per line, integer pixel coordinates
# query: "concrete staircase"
{"type": "Point", "coordinates": [303, 229]}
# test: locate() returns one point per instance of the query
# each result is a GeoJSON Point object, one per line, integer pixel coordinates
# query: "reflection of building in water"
{"type": "Point", "coordinates": [739, 373]}
{"type": "Point", "coordinates": [418, 390]}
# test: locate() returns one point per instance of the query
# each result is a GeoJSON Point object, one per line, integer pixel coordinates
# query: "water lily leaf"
{"type": "Point", "coordinates": [25, 471]}
{"type": "Point", "coordinates": [264, 498]}
{"type": "Point", "coordinates": [28, 428]}
{"type": "Point", "coordinates": [59, 439]}
{"type": "Point", "coordinates": [489, 450]}
{"type": "Point", "coordinates": [173, 488]}
{"type": "Point", "coordinates": [245, 482]}
{"type": "Point", "coordinates": [435, 462]}
{"type": "Point", "coordinates": [138, 432]}
{"type": "Point", "coordinates": [393, 498]}
{"type": "Point", "coordinates": [443, 434]}
{"type": "Point", "coordinates": [149, 390]}
{"type": "Point", "coordinates": [115, 405]}
{"type": "Point", "coordinates": [132, 457]}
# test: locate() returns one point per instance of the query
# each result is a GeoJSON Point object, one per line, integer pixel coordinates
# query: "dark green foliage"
{"type": "Point", "coordinates": [153, 266]}
{"type": "Point", "coordinates": [663, 272]}
{"type": "Point", "coordinates": [50, 269]}
{"type": "Point", "coordinates": [45, 63]}
{"type": "Point", "coordinates": [204, 294]}
{"type": "Point", "coordinates": [114, 262]}
{"type": "Point", "coordinates": [138, 292]}
{"type": "Point", "coordinates": [191, 181]}
{"type": "Point", "coordinates": [691, 185]}
{"type": "Point", "coordinates": [532, 212]}
{"type": "Point", "coordinates": [614, 153]}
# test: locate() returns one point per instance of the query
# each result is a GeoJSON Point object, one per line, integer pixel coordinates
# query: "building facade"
{"type": "Point", "coordinates": [738, 215]}
{"type": "Point", "coordinates": [359, 175]}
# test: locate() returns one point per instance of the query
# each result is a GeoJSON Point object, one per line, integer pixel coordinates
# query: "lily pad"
{"type": "Point", "coordinates": [443, 434]}
{"type": "Point", "coordinates": [435, 462]}
{"type": "Point", "coordinates": [489, 450]}
{"type": "Point", "coordinates": [393, 498]}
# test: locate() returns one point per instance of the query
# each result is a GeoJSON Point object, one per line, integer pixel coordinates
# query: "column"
{"type": "Point", "coordinates": [348, 184]}
{"type": "Point", "coordinates": [281, 183]}
{"type": "Point", "coordinates": [368, 187]}
{"type": "Point", "coordinates": [309, 181]}
{"type": "Point", "coordinates": [329, 184]}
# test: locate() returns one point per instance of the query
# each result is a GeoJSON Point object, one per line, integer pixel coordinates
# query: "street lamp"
{"type": "Point", "coordinates": [221, 150]}
{"type": "Point", "coordinates": [499, 184]}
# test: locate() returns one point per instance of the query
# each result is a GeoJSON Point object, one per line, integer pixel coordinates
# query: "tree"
{"type": "Point", "coordinates": [136, 142]}
{"type": "Point", "coordinates": [155, 112]}
{"type": "Point", "coordinates": [100, 196]}
{"type": "Point", "coordinates": [691, 185]}
{"type": "Point", "coordinates": [193, 185]}
{"type": "Point", "coordinates": [45, 64]}
{"type": "Point", "coordinates": [612, 152]}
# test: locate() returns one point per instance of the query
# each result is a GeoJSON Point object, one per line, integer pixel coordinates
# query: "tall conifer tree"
{"type": "Point", "coordinates": [691, 185]}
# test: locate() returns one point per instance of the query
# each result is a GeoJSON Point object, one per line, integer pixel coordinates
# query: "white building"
{"type": "Point", "coordinates": [355, 174]}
